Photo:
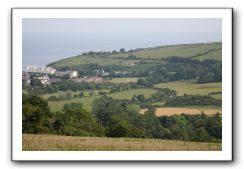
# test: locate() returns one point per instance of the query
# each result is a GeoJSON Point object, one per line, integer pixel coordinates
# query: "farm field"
{"type": "Point", "coordinates": [130, 93]}
{"type": "Point", "coordinates": [94, 90]}
{"type": "Point", "coordinates": [181, 87]}
{"type": "Point", "coordinates": [179, 50]}
{"type": "Point", "coordinates": [123, 80]}
{"type": "Point", "coordinates": [215, 54]}
{"type": "Point", "coordinates": [88, 101]}
{"type": "Point", "coordinates": [38, 142]}
{"type": "Point", "coordinates": [86, 93]}
{"type": "Point", "coordinates": [169, 111]}
{"type": "Point", "coordinates": [191, 87]}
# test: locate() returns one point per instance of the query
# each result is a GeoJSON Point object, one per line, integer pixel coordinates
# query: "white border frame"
{"type": "Point", "coordinates": [19, 155]}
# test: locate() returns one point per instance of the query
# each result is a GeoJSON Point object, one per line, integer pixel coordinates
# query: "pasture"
{"type": "Point", "coordinates": [60, 93]}
{"type": "Point", "coordinates": [88, 101]}
{"type": "Point", "coordinates": [38, 142]}
{"type": "Point", "coordinates": [178, 50]}
{"type": "Point", "coordinates": [191, 87]}
{"type": "Point", "coordinates": [217, 55]}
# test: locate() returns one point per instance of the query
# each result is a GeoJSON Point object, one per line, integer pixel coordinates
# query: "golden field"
{"type": "Point", "coordinates": [38, 142]}
{"type": "Point", "coordinates": [169, 111]}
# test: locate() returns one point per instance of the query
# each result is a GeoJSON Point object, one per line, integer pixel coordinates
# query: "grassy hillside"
{"type": "Point", "coordinates": [39, 142]}
{"type": "Point", "coordinates": [217, 54]}
{"type": "Point", "coordinates": [191, 87]}
{"type": "Point", "coordinates": [179, 50]}
{"type": "Point", "coordinates": [198, 51]}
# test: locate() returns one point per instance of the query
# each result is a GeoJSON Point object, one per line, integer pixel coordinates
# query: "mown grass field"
{"type": "Point", "coordinates": [191, 87]}
{"type": "Point", "coordinates": [147, 53]}
{"type": "Point", "coordinates": [169, 111]}
{"type": "Point", "coordinates": [38, 142]}
{"type": "Point", "coordinates": [88, 101]}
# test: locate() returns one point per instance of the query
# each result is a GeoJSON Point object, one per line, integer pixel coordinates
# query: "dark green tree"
{"type": "Point", "coordinates": [76, 121]}
{"type": "Point", "coordinates": [36, 82]}
{"type": "Point", "coordinates": [35, 115]}
{"type": "Point", "coordinates": [122, 50]}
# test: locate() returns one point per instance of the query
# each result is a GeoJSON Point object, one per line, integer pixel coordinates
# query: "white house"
{"type": "Point", "coordinates": [73, 74]}
{"type": "Point", "coordinates": [44, 79]}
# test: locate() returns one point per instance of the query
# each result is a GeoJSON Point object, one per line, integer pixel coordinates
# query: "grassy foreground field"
{"type": "Point", "coordinates": [37, 142]}
{"type": "Point", "coordinates": [169, 111]}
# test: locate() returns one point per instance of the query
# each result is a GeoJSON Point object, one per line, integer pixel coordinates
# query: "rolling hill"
{"type": "Point", "coordinates": [200, 51]}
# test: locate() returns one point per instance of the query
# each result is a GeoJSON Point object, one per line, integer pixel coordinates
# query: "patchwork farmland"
{"type": "Point", "coordinates": [164, 98]}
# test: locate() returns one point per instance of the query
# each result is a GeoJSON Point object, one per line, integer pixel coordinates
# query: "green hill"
{"type": "Point", "coordinates": [200, 51]}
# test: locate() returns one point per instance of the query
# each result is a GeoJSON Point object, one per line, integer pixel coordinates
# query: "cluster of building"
{"type": "Point", "coordinates": [26, 77]}
{"type": "Point", "coordinates": [131, 64]}
{"type": "Point", "coordinates": [71, 74]}
{"type": "Point", "coordinates": [120, 72]}
{"type": "Point", "coordinates": [101, 72]}
{"type": "Point", "coordinates": [88, 79]}
{"type": "Point", "coordinates": [44, 78]}
{"type": "Point", "coordinates": [48, 75]}
{"type": "Point", "coordinates": [40, 69]}
{"type": "Point", "coordinates": [42, 73]}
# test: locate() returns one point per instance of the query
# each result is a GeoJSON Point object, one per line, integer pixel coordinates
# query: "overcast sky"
{"type": "Point", "coordinates": [47, 40]}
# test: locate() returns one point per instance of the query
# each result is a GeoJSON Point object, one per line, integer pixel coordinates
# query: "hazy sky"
{"type": "Point", "coordinates": [48, 40]}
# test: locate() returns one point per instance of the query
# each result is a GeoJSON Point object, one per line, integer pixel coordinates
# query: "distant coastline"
{"type": "Point", "coordinates": [45, 57]}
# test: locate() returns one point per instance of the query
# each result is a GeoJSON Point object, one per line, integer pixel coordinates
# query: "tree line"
{"type": "Point", "coordinates": [117, 118]}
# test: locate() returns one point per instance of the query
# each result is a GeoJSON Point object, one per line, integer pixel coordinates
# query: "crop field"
{"type": "Point", "coordinates": [169, 111]}
{"type": "Point", "coordinates": [88, 101]}
{"type": "Point", "coordinates": [38, 142]}
{"type": "Point", "coordinates": [191, 87]}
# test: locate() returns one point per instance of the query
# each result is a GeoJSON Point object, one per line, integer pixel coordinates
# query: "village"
{"type": "Point", "coordinates": [49, 75]}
